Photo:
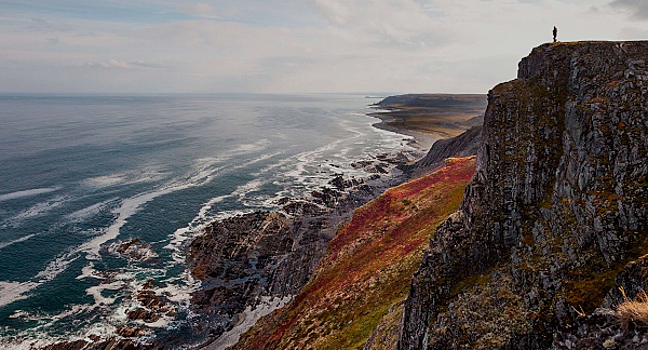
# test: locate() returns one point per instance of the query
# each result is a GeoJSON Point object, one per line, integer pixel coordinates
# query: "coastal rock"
{"type": "Point", "coordinates": [555, 210]}
{"type": "Point", "coordinates": [249, 258]}
{"type": "Point", "coordinates": [133, 332]}
{"type": "Point", "coordinates": [112, 344]}
{"type": "Point", "coordinates": [134, 250]}
{"type": "Point", "coordinates": [151, 306]}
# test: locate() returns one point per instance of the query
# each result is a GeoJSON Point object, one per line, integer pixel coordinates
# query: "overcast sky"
{"type": "Point", "coordinates": [290, 46]}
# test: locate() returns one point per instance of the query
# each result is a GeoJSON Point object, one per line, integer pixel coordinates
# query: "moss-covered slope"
{"type": "Point", "coordinates": [367, 267]}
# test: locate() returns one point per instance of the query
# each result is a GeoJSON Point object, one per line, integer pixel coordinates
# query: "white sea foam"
{"type": "Point", "coordinates": [150, 174]}
{"type": "Point", "coordinates": [36, 210]}
{"type": "Point", "coordinates": [21, 239]}
{"type": "Point", "coordinates": [55, 267]}
{"type": "Point", "coordinates": [95, 292]}
{"type": "Point", "coordinates": [105, 181]}
{"type": "Point", "coordinates": [13, 291]}
{"type": "Point", "coordinates": [252, 147]}
{"type": "Point", "coordinates": [194, 228]}
{"type": "Point", "coordinates": [128, 207]}
{"type": "Point", "coordinates": [88, 271]}
{"type": "Point", "coordinates": [89, 211]}
{"type": "Point", "coordinates": [27, 193]}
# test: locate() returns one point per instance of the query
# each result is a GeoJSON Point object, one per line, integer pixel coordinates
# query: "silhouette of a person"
{"type": "Point", "coordinates": [555, 33]}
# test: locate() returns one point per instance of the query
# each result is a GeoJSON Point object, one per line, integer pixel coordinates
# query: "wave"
{"type": "Point", "coordinates": [36, 210]}
{"type": "Point", "coordinates": [124, 178]}
{"type": "Point", "coordinates": [195, 226]}
{"type": "Point", "coordinates": [203, 172]}
{"type": "Point", "coordinates": [13, 291]}
{"type": "Point", "coordinates": [28, 193]}
{"type": "Point", "coordinates": [90, 211]}
{"type": "Point", "coordinates": [21, 239]}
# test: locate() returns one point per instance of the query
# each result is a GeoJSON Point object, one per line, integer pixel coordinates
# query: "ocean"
{"type": "Point", "coordinates": [79, 173]}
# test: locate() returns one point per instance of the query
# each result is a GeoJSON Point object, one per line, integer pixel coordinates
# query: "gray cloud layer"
{"type": "Point", "coordinates": [639, 8]}
{"type": "Point", "coordinates": [289, 46]}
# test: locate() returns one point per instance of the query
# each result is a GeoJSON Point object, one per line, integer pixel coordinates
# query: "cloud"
{"type": "Point", "coordinates": [292, 46]}
{"type": "Point", "coordinates": [336, 11]}
{"type": "Point", "coordinates": [638, 8]}
{"type": "Point", "coordinates": [200, 9]}
{"type": "Point", "coordinates": [116, 64]}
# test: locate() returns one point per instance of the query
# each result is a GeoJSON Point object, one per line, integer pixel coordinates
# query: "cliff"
{"type": "Point", "coordinates": [555, 212]}
{"type": "Point", "coordinates": [463, 145]}
{"type": "Point", "coordinates": [356, 294]}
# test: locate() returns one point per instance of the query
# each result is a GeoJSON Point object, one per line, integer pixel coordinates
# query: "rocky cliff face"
{"type": "Point", "coordinates": [556, 209]}
{"type": "Point", "coordinates": [463, 145]}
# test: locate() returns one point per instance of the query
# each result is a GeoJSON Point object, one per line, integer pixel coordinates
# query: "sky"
{"type": "Point", "coordinates": [290, 46]}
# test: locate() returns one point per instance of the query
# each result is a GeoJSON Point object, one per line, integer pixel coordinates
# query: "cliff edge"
{"type": "Point", "coordinates": [556, 209]}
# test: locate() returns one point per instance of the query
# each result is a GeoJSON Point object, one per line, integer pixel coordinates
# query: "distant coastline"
{"type": "Point", "coordinates": [429, 117]}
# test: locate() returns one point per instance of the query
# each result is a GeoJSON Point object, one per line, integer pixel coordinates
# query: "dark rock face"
{"type": "Point", "coordinates": [603, 329]}
{"type": "Point", "coordinates": [464, 145]}
{"type": "Point", "coordinates": [600, 330]}
{"type": "Point", "coordinates": [556, 208]}
{"type": "Point", "coordinates": [242, 259]}
{"type": "Point", "coordinates": [112, 344]}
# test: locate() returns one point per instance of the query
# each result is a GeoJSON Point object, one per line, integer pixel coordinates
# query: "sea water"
{"type": "Point", "coordinates": [78, 173]}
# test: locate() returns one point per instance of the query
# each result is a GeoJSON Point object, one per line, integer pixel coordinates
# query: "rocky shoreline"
{"type": "Point", "coordinates": [251, 261]}
{"type": "Point", "coordinates": [251, 264]}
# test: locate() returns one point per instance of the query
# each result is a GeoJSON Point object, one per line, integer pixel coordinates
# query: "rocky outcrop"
{"type": "Point", "coordinates": [249, 260]}
{"type": "Point", "coordinates": [134, 250]}
{"type": "Point", "coordinates": [111, 344]}
{"type": "Point", "coordinates": [556, 209]}
{"type": "Point", "coordinates": [608, 327]}
{"type": "Point", "coordinates": [463, 145]}
{"type": "Point", "coordinates": [385, 336]}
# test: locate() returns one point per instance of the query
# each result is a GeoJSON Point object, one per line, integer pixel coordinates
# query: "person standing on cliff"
{"type": "Point", "coordinates": [555, 33]}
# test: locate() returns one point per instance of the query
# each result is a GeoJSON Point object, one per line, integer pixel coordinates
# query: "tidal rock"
{"type": "Point", "coordinates": [134, 250]}
{"type": "Point", "coordinates": [133, 332]}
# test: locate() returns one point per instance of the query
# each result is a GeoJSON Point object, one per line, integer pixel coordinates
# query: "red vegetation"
{"type": "Point", "coordinates": [367, 266]}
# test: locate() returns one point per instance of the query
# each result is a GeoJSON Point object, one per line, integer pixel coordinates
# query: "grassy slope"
{"type": "Point", "coordinates": [367, 267]}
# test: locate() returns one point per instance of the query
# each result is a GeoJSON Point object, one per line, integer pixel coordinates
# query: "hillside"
{"type": "Point", "coordinates": [366, 271]}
